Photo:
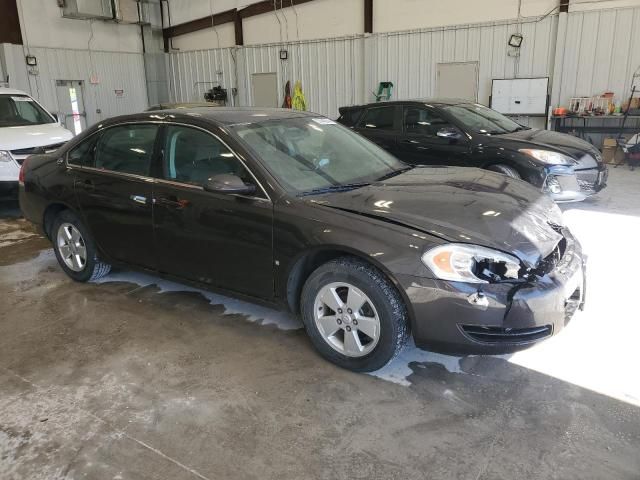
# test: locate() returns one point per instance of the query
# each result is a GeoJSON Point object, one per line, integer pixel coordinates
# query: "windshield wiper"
{"type": "Point", "coordinates": [334, 188]}
{"type": "Point", "coordinates": [394, 173]}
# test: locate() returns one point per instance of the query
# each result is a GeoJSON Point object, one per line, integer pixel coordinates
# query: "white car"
{"type": "Point", "coordinates": [25, 126]}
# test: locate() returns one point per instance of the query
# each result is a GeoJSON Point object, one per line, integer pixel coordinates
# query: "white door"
{"type": "Point", "coordinates": [265, 89]}
{"type": "Point", "coordinates": [457, 80]}
{"type": "Point", "coordinates": [71, 111]}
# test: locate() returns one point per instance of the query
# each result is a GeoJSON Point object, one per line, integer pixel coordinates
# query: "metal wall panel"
{"type": "Point", "coordinates": [193, 73]}
{"type": "Point", "coordinates": [331, 72]}
{"type": "Point", "coordinates": [114, 70]}
{"type": "Point", "coordinates": [409, 59]}
{"type": "Point", "coordinates": [602, 50]}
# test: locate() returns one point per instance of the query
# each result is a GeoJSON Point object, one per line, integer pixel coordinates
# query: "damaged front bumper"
{"type": "Point", "coordinates": [569, 184]}
{"type": "Point", "coordinates": [464, 318]}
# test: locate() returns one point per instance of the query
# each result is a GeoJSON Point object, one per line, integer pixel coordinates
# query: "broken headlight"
{"type": "Point", "coordinates": [471, 263]}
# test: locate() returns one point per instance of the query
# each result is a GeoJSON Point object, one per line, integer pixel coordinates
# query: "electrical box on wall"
{"type": "Point", "coordinates": [88, 9]}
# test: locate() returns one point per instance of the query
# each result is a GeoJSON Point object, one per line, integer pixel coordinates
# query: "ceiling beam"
{"type": "Point", "coordinates": [564, 6]}
{"type": "Point", "coordinates": [233, 15]}
{"type": "Point", "coordinates": [368, 16]}
{"type": "Point", "coordinates": [9, 23]}
{"type": "Point", "coordinates": [267, 6]}
{"type": "Point", "coordinates": [200, 23]}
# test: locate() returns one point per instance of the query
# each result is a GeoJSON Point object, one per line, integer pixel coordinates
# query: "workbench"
{"type": "Point", "coordinates": [595, 128]}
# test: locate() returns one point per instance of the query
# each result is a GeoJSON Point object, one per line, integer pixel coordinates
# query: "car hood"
{"type": "Point", "coordinates": [585, 153]}
{"type": "Point", "coordinates": [464, 205]}
{"type": "Point", "coordinates": [29, 136]}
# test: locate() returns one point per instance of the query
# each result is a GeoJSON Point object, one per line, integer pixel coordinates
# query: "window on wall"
{"type": "Point", "coordinates": [126, 149]}
{"type": "Point", "coordinates": [193, 156]}
{"type": "Point", "coordinates": [379, 118]}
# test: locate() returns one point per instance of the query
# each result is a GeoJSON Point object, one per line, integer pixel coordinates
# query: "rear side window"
{"type": "Point", "coordinates": [126, 149]}
{"type": "Point", "coordinates": [349, 116]}
{"type": "Point", "coordinates": [379, 118]}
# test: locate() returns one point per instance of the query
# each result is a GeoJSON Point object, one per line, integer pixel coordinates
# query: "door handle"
{"type": "Point", "coordinates": [409, 142]}
{"type": "Point", "coordinates": [87, 185]}
{"type": "Point", "coordinates": [172, 201]}
{"type": "Point", "coordinates": [139, 199]}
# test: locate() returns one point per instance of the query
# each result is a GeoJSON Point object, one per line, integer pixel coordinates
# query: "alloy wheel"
{"type": "Point", "coordinates": [71, 247]}
{"type": "Point", "coordinates": [347, 319]}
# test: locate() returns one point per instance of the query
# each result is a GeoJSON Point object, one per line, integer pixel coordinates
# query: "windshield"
{"type": "Point", "coordinates": [480, 119]}
{"type": "Point", "coordinates": [20, 110]}
{"type": "Point", "coordinates": [313, 154]}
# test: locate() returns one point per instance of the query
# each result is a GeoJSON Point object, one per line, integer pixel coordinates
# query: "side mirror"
{"type": "Point", "coordinates": [451, 133]}
{"type": "Point", "coordinates": [229, 184]}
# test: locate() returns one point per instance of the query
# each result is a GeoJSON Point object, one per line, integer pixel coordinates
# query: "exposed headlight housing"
{"type": "Point", "coordinates": [471, 263]}
{"type": "Point", "coordinates": [5, 156]}
{"type": "Point", "coordinates": [548, 157]}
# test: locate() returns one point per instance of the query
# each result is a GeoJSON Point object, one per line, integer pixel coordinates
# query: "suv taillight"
{"type": "Point", "coordinates": [21, 174]}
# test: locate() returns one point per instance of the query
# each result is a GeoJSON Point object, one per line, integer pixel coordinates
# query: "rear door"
{"type": "Point", "coordinates": [114, 190]}
{"type": "Point", "coordinates": [420, 144]}
{"type": "Point", "coordinates": [381, 125]}
{"type": "Point", "coordinates": [220, 239]}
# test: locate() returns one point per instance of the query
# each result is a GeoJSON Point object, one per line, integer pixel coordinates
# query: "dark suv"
{"type": "Point", "coordinates": [456, 132]}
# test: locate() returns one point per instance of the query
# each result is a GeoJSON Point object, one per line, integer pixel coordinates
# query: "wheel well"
{"type": "Point", "coordinates": [492, 163]}
{"type": "Point", "coordinates": [305, 265]}
{"type": "Point", "coordinates": [302, 269]}
{"type": "Point", "coordinates": [50, 215]}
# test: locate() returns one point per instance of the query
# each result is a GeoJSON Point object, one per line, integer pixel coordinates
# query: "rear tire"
{"type": "Point", "coordinates": [75, 249]}
{"type": "Point", "coordinates": [505, 170]}
{"type": "Point", "coordinates": [363, 338]}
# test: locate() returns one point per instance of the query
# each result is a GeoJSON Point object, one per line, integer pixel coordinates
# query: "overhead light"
{"type": "Point", "coordinates": [31, 60]}
{"type": "Point", "coordinates": [515, 40]}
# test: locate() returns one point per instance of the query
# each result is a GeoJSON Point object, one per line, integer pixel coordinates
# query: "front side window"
{"type": "Point", "coordinates": [193, 156]}
{"type": "Point", "coordinates": [21, 110]}
{"type": "Point", "coordinates": [379, 118]}
{"type": "Point", "coordinates": [307, 154]}
{"type": "Point", "coordinates": [480, 119]}
{"type": "Point", "coordinates": [83, 154]}
{"type": "Point", "coordinates": [422, 121]}
{"type": "Point", "coordinates": [126, 149]}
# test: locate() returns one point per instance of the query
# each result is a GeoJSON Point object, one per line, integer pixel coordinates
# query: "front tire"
{"type": "Point", "coordinates": [354, 315]}
{"type": "Point", "coordinates": [75, 249]}
{"type": "Point", "coordinates": [505, 170]}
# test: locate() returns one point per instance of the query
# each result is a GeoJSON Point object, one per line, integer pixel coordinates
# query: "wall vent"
{"type": "Point", "coordinates": [88, 9]}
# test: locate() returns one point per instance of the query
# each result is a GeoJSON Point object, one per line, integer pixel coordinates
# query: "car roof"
{"type": "Point", "coordinates": [180, 105]}
{"type": "Point", "coordinates": [220, 115]}
{"type": "Point", "coordinates": [11, 91]}
{"type": "Point", "coordinates": [437, 102]}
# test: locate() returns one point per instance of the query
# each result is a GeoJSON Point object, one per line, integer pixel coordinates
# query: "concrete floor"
{"type": "Point", "coordinates": [137, 378]}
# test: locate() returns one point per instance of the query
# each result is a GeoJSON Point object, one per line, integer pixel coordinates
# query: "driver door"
{"type": "Point", "coordinates": [224, 240]}
{"type": "Point", "coordinates": [420, 143]}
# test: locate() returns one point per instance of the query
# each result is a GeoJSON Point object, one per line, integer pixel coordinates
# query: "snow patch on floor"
{"type": "Point", "coordinates": [254, 313]}
{"type": "Point", "coordinates": [399, 369]}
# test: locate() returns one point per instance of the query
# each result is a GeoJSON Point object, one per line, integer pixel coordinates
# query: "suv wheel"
{"type": "Point", "coordinates": [75, 250]}
{"type": "Point", "coordinates": [354, 316]}
{"type": "Point", "coordinates": [505, 170]}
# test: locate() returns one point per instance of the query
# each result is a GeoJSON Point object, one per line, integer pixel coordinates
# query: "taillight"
{"type": "Point", "coordinates": [21, 174]}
